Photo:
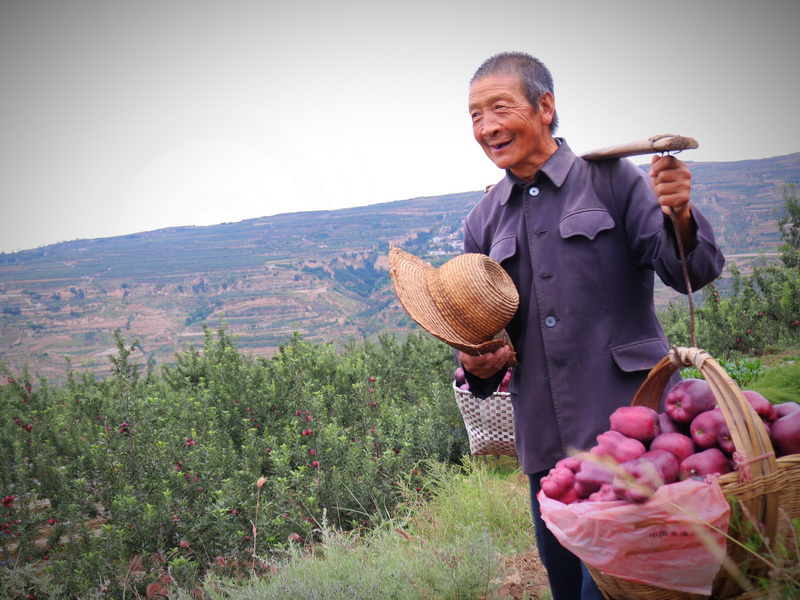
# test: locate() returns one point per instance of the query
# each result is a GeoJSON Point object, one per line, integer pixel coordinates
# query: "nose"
{"type": "Point", "coordinates": [489, 125]}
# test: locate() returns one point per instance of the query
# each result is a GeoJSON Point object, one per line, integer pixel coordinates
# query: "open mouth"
{"type": "Point", "coordinates": [500, 146]}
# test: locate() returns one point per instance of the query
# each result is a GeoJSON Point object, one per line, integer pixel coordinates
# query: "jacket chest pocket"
{"type": "Point", "coordinates": [583, 266]}
{"type": "Point", "coordinates": [503, 249]}
{"type": "Point", "coordinates": [586, 223]}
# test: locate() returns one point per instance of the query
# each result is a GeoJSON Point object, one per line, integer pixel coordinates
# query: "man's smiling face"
{"type": "Point", "coordinates": [514, 134]}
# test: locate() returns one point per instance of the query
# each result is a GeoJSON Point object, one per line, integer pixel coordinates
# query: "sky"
{"type": "Point", "coordinates": [123, 117]}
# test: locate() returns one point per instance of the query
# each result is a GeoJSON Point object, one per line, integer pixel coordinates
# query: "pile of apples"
{"type": "Point", "coordinates": [644, 450]}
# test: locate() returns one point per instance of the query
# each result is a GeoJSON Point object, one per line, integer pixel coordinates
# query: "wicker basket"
{"type": "Point", "coordinates": [489, 422]}
{"type": "Point", "coordinates": [762, 484]}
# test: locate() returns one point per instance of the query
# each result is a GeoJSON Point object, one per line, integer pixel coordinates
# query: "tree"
{"type": "Point", "coordinates": [789, 226]}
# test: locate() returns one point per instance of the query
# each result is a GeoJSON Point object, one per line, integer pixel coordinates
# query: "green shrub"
{"type": "Point", "coordinates": [759, 313]}
{"type": "Point", "coordinates": [168, 462]}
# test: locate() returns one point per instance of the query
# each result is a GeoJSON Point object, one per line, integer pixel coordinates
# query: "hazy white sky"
{"type": "Point", "coordinates": [120, 117]}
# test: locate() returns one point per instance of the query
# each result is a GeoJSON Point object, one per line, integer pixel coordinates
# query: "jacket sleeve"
{"type": "Point", "coordinates": [704, 263]}
{"type": "Point", "coordinates": [653, 239]}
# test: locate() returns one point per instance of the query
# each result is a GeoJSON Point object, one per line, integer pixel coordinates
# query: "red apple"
{"type": "Point", "coordinates": [558, 483]}
{"type": "Point", "coordinates": [761, 405]}
{"type": "Point", "coordinates": [705, 428]}
{"type": "Point", "coordinates": [570, 497]}
{"type": "Point", "coordinates": [785, 434]}
{"type": "Point", "coordinates": [503, 387]}
{"type": "Point", "coordinates": [706, 462]}
{"type": "Point", "coordinates": [689, 398]}
{"type": "Point", "coordinates": [669, 426]}
{"type": "Point", "coordinates": [667, 463]}
{"type": "Point", "coordinates": [573, 463]}
{"type": "Point", "coordinates": [784, 408]}
{"type": "Point", "coordinates": [637, 422]}
{"type": "Point", "coordinates": [641, 478]}
{"type": "Point", "coordinates": [618, 446]}
{"type": "Point", "coordinates": [604, 494]}
{"type": "Point", "coordinates": [591, 476]}
{"type": "Point", "coordinates": [678, 444]}
{"type": "Point", "coordinates": [725, 441]}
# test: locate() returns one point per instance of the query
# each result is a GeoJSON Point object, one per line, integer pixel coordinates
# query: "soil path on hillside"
{"type": "Point", "coordinates": [524, 579]}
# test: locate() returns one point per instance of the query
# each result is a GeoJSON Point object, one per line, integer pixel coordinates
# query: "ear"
{"type": "Point", "coordinates": [547, 107]}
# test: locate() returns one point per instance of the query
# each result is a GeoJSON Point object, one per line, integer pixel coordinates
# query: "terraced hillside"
{"type": "Point", "coordinates": [319, 273]}
{"type": "Point", "coordinates": [323, 274]}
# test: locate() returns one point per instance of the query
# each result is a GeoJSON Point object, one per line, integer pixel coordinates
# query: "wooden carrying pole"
{"type": "Point", "coordinates": [653, 145]}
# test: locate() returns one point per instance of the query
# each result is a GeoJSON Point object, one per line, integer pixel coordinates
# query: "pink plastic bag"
{"type": "Point", "coordinates": [654, 543]}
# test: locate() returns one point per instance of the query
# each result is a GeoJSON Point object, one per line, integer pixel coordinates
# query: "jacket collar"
{"type": "Point", "coordinates": [555, 169]}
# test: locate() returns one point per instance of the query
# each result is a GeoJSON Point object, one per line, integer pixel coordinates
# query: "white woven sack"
{"type": "Point", "coordinates": [489, 422]}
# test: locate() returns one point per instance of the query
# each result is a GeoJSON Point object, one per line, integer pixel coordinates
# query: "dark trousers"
{"type": "Point", "coordinates": [569, 578]}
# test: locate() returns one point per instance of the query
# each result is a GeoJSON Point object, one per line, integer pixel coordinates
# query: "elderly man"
{"type": "Point", "coordinates": [582, 241]}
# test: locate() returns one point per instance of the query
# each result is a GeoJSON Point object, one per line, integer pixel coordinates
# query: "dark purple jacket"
{"type": "Point", "coordinates": [582, 244]}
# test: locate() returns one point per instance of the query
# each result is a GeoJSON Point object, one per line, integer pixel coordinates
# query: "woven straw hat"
{"type": "Point", "coordinates": [466, 303]}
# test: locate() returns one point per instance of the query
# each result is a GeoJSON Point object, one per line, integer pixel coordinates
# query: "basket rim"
{"type": "Point", "coordinates": [461, 392]}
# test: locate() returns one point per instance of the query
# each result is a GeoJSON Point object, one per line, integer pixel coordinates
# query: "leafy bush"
{"type": "Point", "coordinates": [743, 371]}
{"type": "Point", "coordinates": [158, 465]}
{"type": "Point", "coordinates": [760, 313]}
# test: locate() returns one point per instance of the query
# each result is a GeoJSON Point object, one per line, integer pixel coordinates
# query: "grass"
{"type": "Point", "coordinates": [450, 541]}
{"type": "Point", "coordinates": [780, 384]}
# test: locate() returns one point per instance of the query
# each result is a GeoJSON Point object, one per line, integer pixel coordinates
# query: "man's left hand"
{"type": "Point", "coordinates": [672, 184]}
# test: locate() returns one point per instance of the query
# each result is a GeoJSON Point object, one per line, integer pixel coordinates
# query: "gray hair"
{"type": "Point", "coordinates": [536, 78]}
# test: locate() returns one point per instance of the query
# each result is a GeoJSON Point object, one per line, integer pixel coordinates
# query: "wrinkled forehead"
{"type": "Point", "coordinates": [498, 86]}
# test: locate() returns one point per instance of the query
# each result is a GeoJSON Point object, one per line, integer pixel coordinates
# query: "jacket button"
{"type": "Point", "coordinates": [550, 321]}
{"type": "Point", "coordinates": [533, 191]}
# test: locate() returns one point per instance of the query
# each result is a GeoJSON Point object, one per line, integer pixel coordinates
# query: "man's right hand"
{"type": "Point", "coordinates": [486, 365]}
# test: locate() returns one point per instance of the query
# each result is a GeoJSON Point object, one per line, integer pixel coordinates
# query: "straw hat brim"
{"type": "Point", "coordinates": [416, 284]}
